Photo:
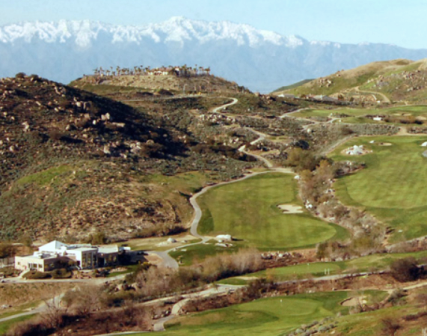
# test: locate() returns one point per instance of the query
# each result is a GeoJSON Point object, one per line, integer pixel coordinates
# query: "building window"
{"type": "Point", "coordinates": [19, 263]}
{"type": "Point", "coordinates": [40, 266]}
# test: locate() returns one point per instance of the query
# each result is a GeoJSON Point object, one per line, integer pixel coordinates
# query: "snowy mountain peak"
{"type": "Point", "coordinates": [176, 29]}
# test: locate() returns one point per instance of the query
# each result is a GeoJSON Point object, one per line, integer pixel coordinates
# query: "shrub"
{"type": "Point", "coordinates": [390, 326]}
{"type": "Point", "coordinates": [7, 250]}
{"type": "Point", "coordinates": [20, 75]}
{"type": "Point", "coordinates": [36, 275]}
{"type": "Point", "coordinates": [405, 269]}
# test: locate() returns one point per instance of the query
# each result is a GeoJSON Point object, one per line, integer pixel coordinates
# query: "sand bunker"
{"type": "Point", "coordinates": [385, 144]}
{"type": "Point", "coordinates": [354, 301]}
{"type": "Point", "coordinates": [356, 150]}
{"type": "Point", "coordinates": [290, 208]}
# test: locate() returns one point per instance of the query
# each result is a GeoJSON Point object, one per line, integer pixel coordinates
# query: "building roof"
{"type": "Point", "coordinates": [53, 245]}
{"type": "Point", "coordinates": [108, 249]}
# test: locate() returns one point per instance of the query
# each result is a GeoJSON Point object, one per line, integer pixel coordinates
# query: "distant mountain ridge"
{"type": "Point", "coordinates": [259, 59]}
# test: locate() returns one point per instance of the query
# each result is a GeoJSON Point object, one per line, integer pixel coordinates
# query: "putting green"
{"type": "Point", "coordinates": [248, 210]}
{"type": "Point", "coordinates": [272, 316]}
{"type": "Point", "coordinates": [392, 187]}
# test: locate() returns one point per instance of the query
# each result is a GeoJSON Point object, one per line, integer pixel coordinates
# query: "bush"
{"type": "Point", "coordinates": [61, 273]}
{"type": "Point", "coordinates": [36, 275]}
{"type": "Point", "coordinates": [7, 250]}
{"type": "Point", "coordinates": [405, 269]}
{"type": "Point", "coordinates": [20, 75]}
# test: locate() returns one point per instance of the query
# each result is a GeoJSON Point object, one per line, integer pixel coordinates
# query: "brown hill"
{"type": "Point", "coordinates": [388, 81]}
{"type": "Point", "coordinates": [74, 163]}
{"type": "Point", "coordinates": [171, 83]}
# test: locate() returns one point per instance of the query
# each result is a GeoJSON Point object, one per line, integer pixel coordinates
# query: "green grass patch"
{"type": "Point", "coordinates": [375, 262]}
{"type": "Point", "coordinates": [293, 86]}
{"type": "Point", "coordinates": [46, 176]}
{"type": "Point", "coordinates": [356, 115]}
{"type": "Point", "coordinates": [188, 255]}
{"type": "Point", "coordinates": [248, 210]}
{"type": "Point", "coordinates": [5, 326]}
{"type": "Point", "coordinates": [392, 187]}
{"type": "Point", "coordinates": [271, 316]}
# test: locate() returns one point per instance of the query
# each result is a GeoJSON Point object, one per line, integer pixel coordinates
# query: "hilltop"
{"type": "Point", "coordinates": [388, 81]}
{"type": "Point", "coordinates": [161, 81]}
{"type": "Point", "coordinates": [75, 163]}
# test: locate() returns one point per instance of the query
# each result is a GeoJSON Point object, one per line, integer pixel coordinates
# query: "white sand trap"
{"type": "Point", "coordinates": [354, 301]}
{"type": "Point", "coordinates": [421, 118]}
{"type": "Point", "coordinates": [385, 144]}
{"type": "Point", "coordinates": [356, 150]}
{"type": "Point", "coordinates": [290, 208]}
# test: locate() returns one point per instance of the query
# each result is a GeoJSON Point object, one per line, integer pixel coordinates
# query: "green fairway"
{"type": "Point", "coordinates": [357, 116]}
{"type": "Point", "coordinates": [375, 262]}
{"type": "Point", "coordinates": [248, 210]}
{"type": "Point", "coordinates": [272, 316]}
{"type": "Point", "coordinates": [392, 187]}
{"type": "Point", "coordinates": [289, 272]}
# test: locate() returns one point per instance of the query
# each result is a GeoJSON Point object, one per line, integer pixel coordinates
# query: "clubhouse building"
{"type": "Point", "coordinates": [58, 255]}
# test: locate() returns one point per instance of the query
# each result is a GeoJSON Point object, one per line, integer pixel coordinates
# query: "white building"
{"type": "Point", "coordinates": [57, 254]}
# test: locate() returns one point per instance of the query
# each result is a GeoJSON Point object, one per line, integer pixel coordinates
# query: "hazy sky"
{"type": "Point", "coordinates": [349, 21]}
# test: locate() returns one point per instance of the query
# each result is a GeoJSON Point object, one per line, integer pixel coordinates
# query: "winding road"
{"type": "Point", "coordinates": [219, 108]}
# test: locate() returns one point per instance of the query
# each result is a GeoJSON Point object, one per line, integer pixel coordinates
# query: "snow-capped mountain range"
{"type": "Point", "coordinates": [259, 59]}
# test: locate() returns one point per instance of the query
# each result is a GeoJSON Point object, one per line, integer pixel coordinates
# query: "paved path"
{"type": "Point", "coordinates": [167, 260]}
{"type": "Point", "coordinates": [292, 112]}
{"type": "Point", "coordinates": [219, 108]}
{"type": "Point", "coordinates": [41, 308]}
{"type": "Point", "coordinates": [176, 309]}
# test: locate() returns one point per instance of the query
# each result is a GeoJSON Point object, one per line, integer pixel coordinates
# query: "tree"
{"type": "Point", "coordinates": [85, 299]}
{"type": "Point", "coordinates": [7, 250]}
{"type": "Point", "coordinates": [405, 269]}
{"type": "Point", "coordinates": [301, 159]}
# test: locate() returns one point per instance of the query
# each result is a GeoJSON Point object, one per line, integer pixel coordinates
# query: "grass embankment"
{"type": "Point", "coordinates": [357, 116]}
{"type": "Point", "coordinates": [338, 84]}
{"type": "Point", "coordinates": [248, 210]}
{"type": "Point", "coordinates": [371, 323]}
{"type": "Point", "coordinates": [392, 187]}
{"type": "Point", "coordinates": [374, 262]}
{"type": "Point", "coordinates": [5, 326]}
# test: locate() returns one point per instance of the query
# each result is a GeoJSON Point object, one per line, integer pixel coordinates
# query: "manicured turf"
{"type": "Point", "coordinates": [5, 326]}
{"type": "Point", "coordinates": [392, 187]}
{"type": "Point", "coordinates": [290, 272]}
{"type": "Point", "coordinates": [248, 210]}
{"type": "Point", "coordinates": [356, 116]}
{"type": "Point", "coordinates": [187, 255]}
{"type": "Point", "coordinates": [272, 316]}
{"type": "Point", "coordinates": [372, 262]}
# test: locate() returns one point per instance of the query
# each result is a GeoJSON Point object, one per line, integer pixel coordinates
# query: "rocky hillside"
{"type": "Point", "coordinates": [164, 84]}
{"type": "Point", "coordinates": [390, 81]}
{"type": "Point", "coordinates": [74, 163]}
